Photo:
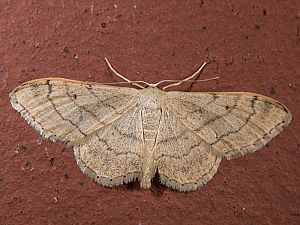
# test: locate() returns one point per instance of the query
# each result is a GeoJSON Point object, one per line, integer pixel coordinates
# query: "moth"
{"type": "Point", "coordinates": [122, 134]}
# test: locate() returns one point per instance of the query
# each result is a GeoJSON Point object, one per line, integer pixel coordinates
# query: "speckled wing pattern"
{"type": "Point", "coordinates": [66, 110]}
{"type": "Point", "coordinates": [99, 121]}
{"type": "Point", "coordinates": [205, 127]}
{"type": "Point", "coordinates": [233, 123]}
{"type": "Point", "coordinates": [121, 134]}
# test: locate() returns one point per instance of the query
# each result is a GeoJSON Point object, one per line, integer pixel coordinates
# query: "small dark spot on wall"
{"type": "Point", "coordinates": [229, 61]}
{"type": "Point", "coordinates": [264, 12]}
{"type": "Point", "coordinates": [257, 27]}
{"type": "Point", "coordinates": [51, 161]}
{"type": "Point", "coordinates": [21, 147]}
{"type": "Point", "coordinates": [66, 176]}
{"type": "Point", "coordinates": [27, 163]}
{"type": "Point", "coordinates": [103, 25]}
{"type": "Point", "coordinates": [201, 3]}
{"type": "Point", "coordinates": [75, 96]}
{"type": "Point", "coordinates": [204, 28]}
{"type": "Point", "coordinates": [226, 107]}
{"type": "Point", "coordinates": [66, 50]}
{"type": "Point", "coordinates": [1, 179]}
{"type": "Point", "coordinates": [273, 91]}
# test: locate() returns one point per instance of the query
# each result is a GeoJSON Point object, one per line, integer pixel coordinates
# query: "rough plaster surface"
{"type": "Point", "coordinates": [253, 46]}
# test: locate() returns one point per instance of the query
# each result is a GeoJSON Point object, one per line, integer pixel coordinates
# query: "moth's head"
{"type": "Point", "coordinates": [151, 85]}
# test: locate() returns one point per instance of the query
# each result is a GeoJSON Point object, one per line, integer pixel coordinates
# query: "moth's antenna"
{"type": "Point", "coordinates": [188, 78]}
{"type": "Point", "coordinates": [126, 82]}
{"type": "Point", "coordinates": [120, 75]}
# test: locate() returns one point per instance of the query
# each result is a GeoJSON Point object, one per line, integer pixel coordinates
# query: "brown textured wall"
{"type": "Point", "coordinates": [252, 45]}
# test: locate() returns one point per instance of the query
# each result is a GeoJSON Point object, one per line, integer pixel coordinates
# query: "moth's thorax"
{"type": "Point", "coordinates": [151, 113]}
{"type": "Point", "coordinates": [150, 95]}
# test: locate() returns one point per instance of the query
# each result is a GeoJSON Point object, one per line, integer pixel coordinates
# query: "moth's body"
{"type": "Point", "coordinates": [121, 134]}
{"type": "Point", "coordinates": [151, 110]}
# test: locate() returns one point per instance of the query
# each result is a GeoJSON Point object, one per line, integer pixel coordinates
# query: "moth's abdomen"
{"type": "Point", "coordinates": [151, 114]}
